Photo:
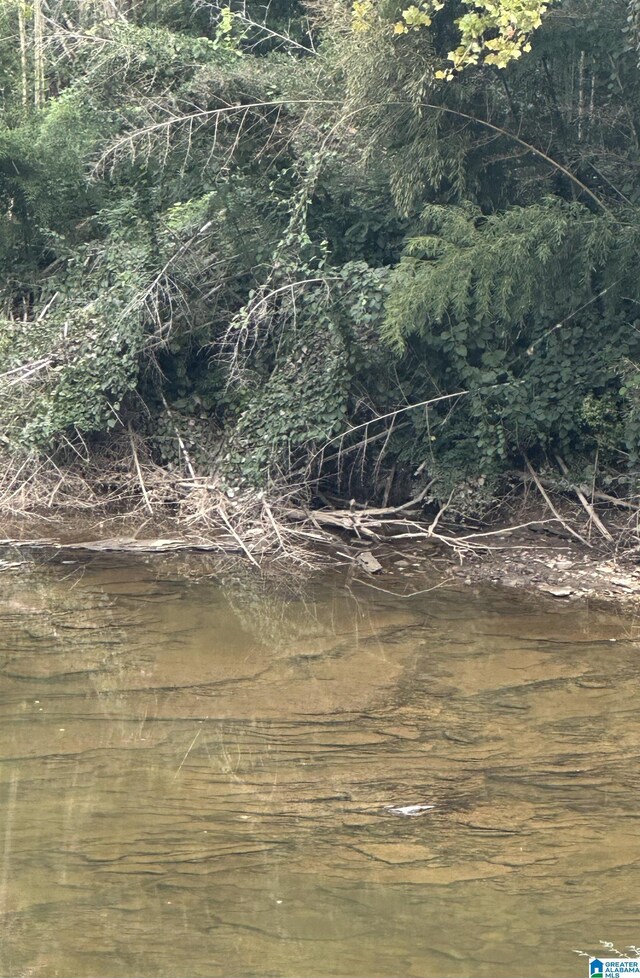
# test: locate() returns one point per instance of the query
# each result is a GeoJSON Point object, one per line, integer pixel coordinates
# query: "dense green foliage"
{"type": "Point", "coordinates": [264, 241]}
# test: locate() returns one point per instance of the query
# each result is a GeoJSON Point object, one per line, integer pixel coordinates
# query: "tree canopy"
{"type": "Point", "coordinates": [254, 241]}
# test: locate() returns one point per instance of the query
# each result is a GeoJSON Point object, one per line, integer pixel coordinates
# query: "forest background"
{"type": "Point", "coordinates": [373, 251]}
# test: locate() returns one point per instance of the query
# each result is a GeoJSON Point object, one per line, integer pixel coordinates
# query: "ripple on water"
{"type": "Point", "coordinates": [197, 778]}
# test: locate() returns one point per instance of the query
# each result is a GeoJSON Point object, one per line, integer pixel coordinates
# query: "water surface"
{"type": "Point", "coordinates": [195, 777]}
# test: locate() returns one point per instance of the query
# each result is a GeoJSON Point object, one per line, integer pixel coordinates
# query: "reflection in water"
{"type": "Point", "coordinates": [196, 777]}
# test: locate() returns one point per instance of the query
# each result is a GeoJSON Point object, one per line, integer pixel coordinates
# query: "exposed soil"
{"type": "Point", "coordinates": [562, 569]}
{"type": "Point", "coordinates": [533, 559]}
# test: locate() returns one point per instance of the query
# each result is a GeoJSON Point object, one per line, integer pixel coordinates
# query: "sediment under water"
{"type": "Point", "coordinates": [195, 778]}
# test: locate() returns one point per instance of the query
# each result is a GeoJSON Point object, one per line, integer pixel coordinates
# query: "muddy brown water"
{"type": "Point", "coordinates": [195, 778]}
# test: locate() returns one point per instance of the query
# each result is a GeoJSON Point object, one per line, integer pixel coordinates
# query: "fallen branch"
{"type": "Point", "coordinates": [604, 497]}
{"type": "Point", "coordinates": [237, 538]}
{"type": "Point", "coordinates": [555, 512]}
{"type": "Point", "coordinates": [180, 440]}
{"type": "Point", "coordinates": [614, 501]}
{"type": "Point", "coordinates": [143, 488]}
{"type": "Point", "coordinates": [393, 527]}
{"type": "Point", "coordinates": [593, 516]}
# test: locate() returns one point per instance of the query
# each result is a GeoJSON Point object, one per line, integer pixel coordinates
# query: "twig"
{"type": "Point", "coordinates": [183, 447]}
{"type": "Point", "coordinates": [267, 510]}
{"type": "Point", "coordinates": [238, 539]}
{"type": "Point", "coordinates": [432, 526]}
{"type": "Point", "coordinates": [593, 516]}
{"type": "Point", "coordinates": [189, 749]}
{"type": "Point", "coordinates": [604, 497]}
{"type": "Point", "coordinates": [623, 503]}
{"type": "Point", "coordinates": [393, 414]}
{"type": "Point", "coordinates": [405, 594]}
{"type": "Point", "coordinates": [555, 512]}
{"type": "Point", "coordinates": [145, 494]}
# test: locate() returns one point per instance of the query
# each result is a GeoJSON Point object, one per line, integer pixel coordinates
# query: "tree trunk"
{"type": "Point", "coordinates": [23, 54]}
{"type": "Point", "coordinates": [38, 54]}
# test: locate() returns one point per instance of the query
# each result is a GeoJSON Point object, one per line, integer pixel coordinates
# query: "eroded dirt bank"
{"type": "Point", "coordinates": [563, 569]}
{"type": "Point", "coordinates": [534, 559]}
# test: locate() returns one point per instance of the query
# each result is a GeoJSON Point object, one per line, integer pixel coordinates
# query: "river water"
{"type": "Point", "coordinates": [196, 777]}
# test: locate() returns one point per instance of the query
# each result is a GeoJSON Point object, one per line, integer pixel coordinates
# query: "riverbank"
{"type": "Point", "coordinates": [535, 558]}
{"type": "Point", "coordinates": [565, 571]}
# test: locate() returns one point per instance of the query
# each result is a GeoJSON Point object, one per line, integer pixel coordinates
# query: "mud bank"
{"type": "Point", "coordinates": [533, 559]}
